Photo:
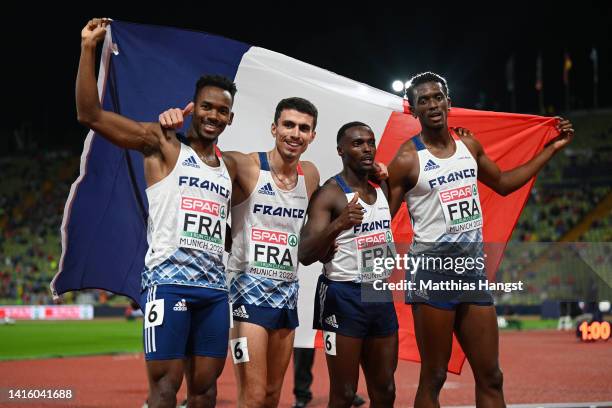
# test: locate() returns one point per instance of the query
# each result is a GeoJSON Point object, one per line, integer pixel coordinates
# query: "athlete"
{"type": "Point", "coordinates": [270, 197]}
{"type": "Point", "coordinates": [188, 188]}
{"type": "Point", "coordinates": [360, 326]}
{"type": "Point", "coordinates": [436, 173]}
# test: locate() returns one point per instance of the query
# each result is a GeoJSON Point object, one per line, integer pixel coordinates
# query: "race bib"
{"type": "Point", "coordinates": [154, 313]}
{"type": "Point", "coordinates": [372, 250]}
{"type": "Point", "coordinates": [202, 225]}
{"type": "Point", "coordinates": [461, 207]}
{"type": "Point", "coordinates": [273, 254]}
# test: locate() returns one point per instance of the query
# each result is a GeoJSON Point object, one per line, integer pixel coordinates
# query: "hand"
{"type": "Point", "coordinates": [330, 254]}
{"type": "Point", "coordinates": [173, 118]}
{"type": "Point", "coordinates": [463, 132]}
{"type": "Point", "coordinates": [94, 31]}
{"type": "Point", "coordinates": [382, 173]}
{"type": "Point", "coordinates": [566, 134]}
{"type": "Point", "coordinates": [351, 215]}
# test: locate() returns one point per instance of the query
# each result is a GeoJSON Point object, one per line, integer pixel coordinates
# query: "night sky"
{"type": "Point", "coordinates": [468, 44]}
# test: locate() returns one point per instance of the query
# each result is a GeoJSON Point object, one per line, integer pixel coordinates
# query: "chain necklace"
{"type": "Point", "coordinates": [210, 161]}
{"type": "Point", "coordinates": [292, 180]}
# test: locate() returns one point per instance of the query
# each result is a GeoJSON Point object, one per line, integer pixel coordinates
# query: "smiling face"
{"type": "Point", "coordinates": [358, 149]}
{"type": "Point", "coordinates": [212, 112]}
{"type": "Point", "coordinates": [431, 105]}
{"type": "Point", "coordinates": [293, 132]}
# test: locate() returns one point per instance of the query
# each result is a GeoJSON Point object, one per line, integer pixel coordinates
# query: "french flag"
{"type": "Point", "coordinates": [147, 69]}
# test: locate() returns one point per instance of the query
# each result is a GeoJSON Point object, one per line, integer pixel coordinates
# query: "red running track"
{"type": "Point", "coordinates": [539, 367]}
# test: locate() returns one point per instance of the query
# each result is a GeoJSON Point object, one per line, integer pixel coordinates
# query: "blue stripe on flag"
{"type": "Point", "coordinates": [106, 226]}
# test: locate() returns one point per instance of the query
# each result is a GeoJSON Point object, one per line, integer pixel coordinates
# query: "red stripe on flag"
{"type": "Point", "coordinates": [509, 140]}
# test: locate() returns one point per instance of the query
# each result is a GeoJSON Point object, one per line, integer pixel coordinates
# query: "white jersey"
{"type": "Point", "coordinates": [187, 222]}
{"type": "Point", "coordinates": [444, 205]}
{"type": "Point", "coordinates": [363, 248]}
{"type": "Point", "coordinates": [265, 236]}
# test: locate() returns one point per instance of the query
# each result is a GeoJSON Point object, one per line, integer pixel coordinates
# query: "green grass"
{"type": "Point", "coordinates": [531, 323]}
{"type": "Point", "coordinates": [38, 339]}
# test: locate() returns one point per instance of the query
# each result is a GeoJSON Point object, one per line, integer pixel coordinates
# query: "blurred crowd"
{"type": "Point", "coordinates": [34, 189]}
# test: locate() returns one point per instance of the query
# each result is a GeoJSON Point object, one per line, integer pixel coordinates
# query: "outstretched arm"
{"type": "Point", "coordinates": [119, 130]}
{"type": "Point", "coordinates": [320, 231]}
{"type": "Point", "coordinates": [506, 182]}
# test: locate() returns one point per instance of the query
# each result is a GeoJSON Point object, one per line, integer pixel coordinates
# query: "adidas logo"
{"type": "Point", "coordinates": [191, 162]}
{"type": "Point", "coordinates": [180, 306]}
{"type": "Point", "coordinates": [266, 189]}
{"type": "Point", "coordinates": [331, 320]}
{"type": "Point", "coordinates": [431, 165]}
{"type": "Point", "coordinates": [241, 312]}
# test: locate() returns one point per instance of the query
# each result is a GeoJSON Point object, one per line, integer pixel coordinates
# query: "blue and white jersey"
{"type": "Point", "coordinates": [265, 237]}
{"type": "Point", "coordinates": [187, 223]}
{"type": "Point", "coordinates": [444, 205]}
{"type": "Point", "coordinates": [363, 248]}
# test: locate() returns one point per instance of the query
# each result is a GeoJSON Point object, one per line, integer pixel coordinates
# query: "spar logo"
{"type": "Point", "coordinates": [203, 206]}
{"type": "Point", "coordinates": [273, 237]}
{"type": "Point", "coordinates": [372, 240]}
{"type": "Point", "coordinates": [458, 193]}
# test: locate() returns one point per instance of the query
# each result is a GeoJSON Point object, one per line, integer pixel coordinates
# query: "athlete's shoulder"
{"type": "Point", "coordinates": [239, 159]}
{"type": "Point", "coordinates": [405, 156]}
{"type": "Point", "coordinates": [329, 195]}
{"type": "Point", "coordinates": [309, 167]}
{"type": "Point", "coordinates": [311, 176]}
{"type": "Point", "coordinates": [408, 147]}
{"type": "Point", "coordinates": [470, 141]}
{"type": "Point", "coordinates": [332, 187]}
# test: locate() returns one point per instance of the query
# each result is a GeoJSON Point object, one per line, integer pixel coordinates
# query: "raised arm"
{"type": "Point", "coordinates": [506, 182]}
{"type": "Point", "coordinates": [321, 229]}
{"type": "Point", "coordinates": [119, 130]}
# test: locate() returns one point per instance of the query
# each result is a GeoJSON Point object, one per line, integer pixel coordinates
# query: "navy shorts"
{"type": "Point", "coordinates": [450, 292]}
{"type": "Point", "coordinates": [181, 321]}
{"type": "Point", "coordinates": [269, 317]}
{"type": "Point", "coordinates": [339, 308]}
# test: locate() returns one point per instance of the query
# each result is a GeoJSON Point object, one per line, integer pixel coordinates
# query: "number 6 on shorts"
{"type": "Point", "coordinates": [329, 338]}
{"type": "Point", "coordinates": [154, 313]}
{"type": "Point", "coordinates": [240, 350]}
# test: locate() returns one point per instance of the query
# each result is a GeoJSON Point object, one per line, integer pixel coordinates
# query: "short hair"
{"type": "Point", "coordinates": [218, 81]}
{"type": "Point", "coordinates": [298, 104]}
{"type": "Point", "coordinates": [422, 78]}
{"type": "Point", "coordinates": [346, 126]}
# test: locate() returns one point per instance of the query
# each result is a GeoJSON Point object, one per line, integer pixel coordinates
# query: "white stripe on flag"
{"type": "Point", "coordinates": [264, 78]}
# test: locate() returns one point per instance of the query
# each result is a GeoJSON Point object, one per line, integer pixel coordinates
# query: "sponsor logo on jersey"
{"type": "Point", "coordinates": [191, 162]}
{"type": "Point", "coordinates": [431, 165]}
{"type": "Point", "coordinates": [180, 306]}
{"type": "Point", "coordinates": [267, 190]}
{"type": "Point", "coordinates": [240, 312]}
{"type": "Point", "coordinates": [458, 193]}
{"type": "Point", "coordinates": [203, 206]}
{"type": "Point", "coordinates": [331, 320]}
{"type": "Point", "coordinates": [270, 237]}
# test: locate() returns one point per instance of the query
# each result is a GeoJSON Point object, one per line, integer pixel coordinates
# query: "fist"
{"type": "Point", "coordinates": [94, 30]}
{"type": "Point", "coordinates": [175, 117]}
{"type": "Point", "coordinates": [566, 134]}
{"type": "Point", "coordinates": [352, 214]}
